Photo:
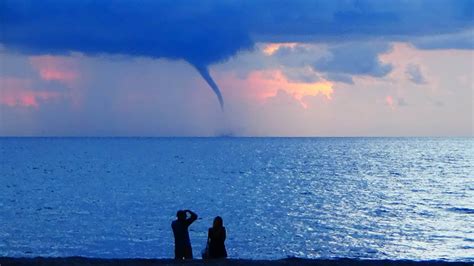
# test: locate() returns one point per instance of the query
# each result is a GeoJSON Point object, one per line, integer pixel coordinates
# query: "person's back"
{"type": "Point", "coordinates": [216, 238]}
{"type": "Point", "coordinates": [182, 243]}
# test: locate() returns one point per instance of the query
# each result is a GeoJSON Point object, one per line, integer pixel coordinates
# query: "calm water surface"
{"type": "Point", "coordinates": [410, 198]}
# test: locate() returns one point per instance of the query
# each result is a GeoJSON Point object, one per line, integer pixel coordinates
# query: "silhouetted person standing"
{"type": "Point", "coordinates": [182, 244]}
{"type": "Point", "coordinates": [216, 238]}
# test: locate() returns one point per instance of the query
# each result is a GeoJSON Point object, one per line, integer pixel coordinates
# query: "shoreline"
{"type": "Point", "coordinates": [75, 261]}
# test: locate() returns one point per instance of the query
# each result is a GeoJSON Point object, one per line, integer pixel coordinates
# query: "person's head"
{"type": "Point", "coordinates": [181, 215]}
{"type": "Point", "coordinates": [218, 223]}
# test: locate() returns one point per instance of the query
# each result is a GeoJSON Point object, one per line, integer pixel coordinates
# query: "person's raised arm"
{"type": "Point", "coordinates": [193, 217]}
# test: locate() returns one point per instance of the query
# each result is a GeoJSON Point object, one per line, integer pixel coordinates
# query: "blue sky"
{"type": "Point", "coordinates": [278, 68]}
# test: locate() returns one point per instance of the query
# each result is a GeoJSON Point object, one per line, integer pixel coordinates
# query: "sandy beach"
{"type": "Point", "coordinates": [73, 261]}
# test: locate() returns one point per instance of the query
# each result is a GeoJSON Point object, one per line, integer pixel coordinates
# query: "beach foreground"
{"type": "Point", "coordinates": [71, 261]}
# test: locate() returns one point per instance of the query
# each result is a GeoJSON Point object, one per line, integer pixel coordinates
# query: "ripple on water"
{"type": "Point", "coordinates": [461, 210]}
{"type": "Point", "coordinates": [406, 198]}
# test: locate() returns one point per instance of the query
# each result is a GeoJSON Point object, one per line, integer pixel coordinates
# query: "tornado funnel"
{"type": "Point", "coordinates": [204, 71]}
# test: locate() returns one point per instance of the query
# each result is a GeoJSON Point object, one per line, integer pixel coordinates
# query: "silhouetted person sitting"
{"type": "Point", "coordinates": [182, 244]}
{"type": "Point", "coordinates": [216, 237]}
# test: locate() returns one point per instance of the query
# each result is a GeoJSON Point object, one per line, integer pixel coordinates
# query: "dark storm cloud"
{"type": "Point", "coordinates": [170, 29]}
{"type": "Point", "coordinates": [460, 41]}
{"type": "Point", "coordinates": [205, 32]}
{"type": "Point", "coordinates": [355, 59]}
{"type": "Point", "coordinates": [208, 31]}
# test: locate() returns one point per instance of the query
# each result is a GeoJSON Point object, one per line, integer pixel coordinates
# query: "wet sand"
{"type": "Point", "coordinates": [76, 261]}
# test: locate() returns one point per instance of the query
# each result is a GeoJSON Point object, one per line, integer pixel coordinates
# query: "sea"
{"type": "Point", "coordinates": [368, 198]}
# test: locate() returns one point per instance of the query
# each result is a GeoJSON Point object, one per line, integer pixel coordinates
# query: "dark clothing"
{"type": "Point", "coordinates": [183, 252]}
{"type": "Point", "coordinates": [182, 244]}
{"type": "Point", "coordinates": [216, 238]}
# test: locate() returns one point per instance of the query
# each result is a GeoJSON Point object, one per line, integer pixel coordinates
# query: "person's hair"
{"type": "Point", "coordinates": [218, 223]}
{"type": "Point", "coordinates": [181, 215]}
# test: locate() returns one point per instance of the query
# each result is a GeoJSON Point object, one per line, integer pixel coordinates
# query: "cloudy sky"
{"type": "Point", "coordinates": [241, 68]}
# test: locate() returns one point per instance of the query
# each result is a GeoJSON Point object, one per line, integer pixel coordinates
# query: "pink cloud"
{"type": "Point", "coordinates": [264, 84]}
{"type": "Point", "coordinates": [64, 70]}
{"type": "Point", "coordinates": [55, 68]}
{"type": "Point", "coordinates": [18, 92]}
{"type": "Point", "coordinates": [389, 101]}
